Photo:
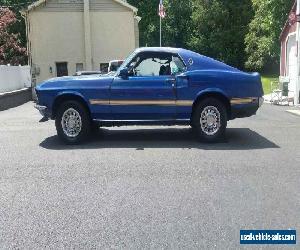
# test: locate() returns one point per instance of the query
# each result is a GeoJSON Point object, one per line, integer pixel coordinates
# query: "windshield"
{"type": "Point", "coordinates": [125, 63]}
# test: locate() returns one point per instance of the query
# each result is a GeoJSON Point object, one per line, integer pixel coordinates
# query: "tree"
{"type": "Point", "coordinates": [19, 26]}
{"type": "Point", "coordinates": [220, 28]}
{"type": "Point", "coordinates": [177, 24]}
{"type": "Point", "coordinates": [149, 24]}
{"type": "Point", "coordinates": [262, 41]}
{"type": "Point", "coordinates": [175, 27]}
{"type": "Point", "coordinates": [10, 50]}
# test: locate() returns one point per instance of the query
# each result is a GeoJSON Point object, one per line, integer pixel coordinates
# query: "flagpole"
{"type": "Point", "coordinates": [160, 31]}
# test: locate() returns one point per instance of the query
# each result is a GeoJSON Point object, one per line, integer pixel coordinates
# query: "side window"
{"type": "Point", "coordinates": [148, 67]}
{"type": "Point", "coordinates": [177, 65]}
{"type": "Point", "coordinates": [156, 64]}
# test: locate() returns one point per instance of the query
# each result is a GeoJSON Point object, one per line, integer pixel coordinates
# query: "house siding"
{"type": "Point", "coordinates": [62, 6]}
{"type": "Point", "coordinates": [77, 6]}
{"type": "Point", "coordinates": [56, 33]}
{"type": "Point", "coordinates": [107, 6]}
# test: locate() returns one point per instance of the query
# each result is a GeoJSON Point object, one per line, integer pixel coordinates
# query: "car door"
{"type": "Point", "coordinates": [148, 93]}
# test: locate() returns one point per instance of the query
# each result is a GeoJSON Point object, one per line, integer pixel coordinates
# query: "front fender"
{"type": "Point", "coordinates": [67, 95]}
{"type": "Point", "coordinates": [70, 93]}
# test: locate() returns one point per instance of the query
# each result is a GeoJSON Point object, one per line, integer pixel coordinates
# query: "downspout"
{"type": "Point", "coordinates": [137, 19]}
{"type": "Point", "coordinates": [87, 35]}
{"type": "Point", "coordinates": [25, 14]}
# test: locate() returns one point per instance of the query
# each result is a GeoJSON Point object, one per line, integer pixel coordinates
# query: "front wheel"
{"type": "Point", "coordinates": [73, 123]}
{"type": "Point", "coordinates": [209, 120]}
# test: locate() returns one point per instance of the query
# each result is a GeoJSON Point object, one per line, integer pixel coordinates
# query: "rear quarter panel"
{"type": "Point", "coordinates": [231, 84]}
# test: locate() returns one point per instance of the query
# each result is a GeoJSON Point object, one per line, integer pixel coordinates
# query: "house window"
{"type": "Point", "coordinates": [104, 67]}
{"type": "Point", "coordinates": [62, 69]}
{"type": "Point", "coordinates": [79, 67]}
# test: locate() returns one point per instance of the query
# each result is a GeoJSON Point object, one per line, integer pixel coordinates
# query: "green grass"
{"type": "Point", "coordinates": [266, 81]}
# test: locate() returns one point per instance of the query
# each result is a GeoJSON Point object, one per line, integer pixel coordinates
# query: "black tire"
{"type": "Point", "coordinates": [209, 134]}
{"type": "Point", "coordinates": [85, 122]}
{"type": "Point", "coordinates": [95, 127]}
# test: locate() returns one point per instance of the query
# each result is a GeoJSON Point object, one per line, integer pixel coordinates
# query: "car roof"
{"type": "Point", "coordinates": [192, 59]}
{"type": "Point", "coordinates": [159, 49]}
{"type": "Point", "coordinates": [184, 53]}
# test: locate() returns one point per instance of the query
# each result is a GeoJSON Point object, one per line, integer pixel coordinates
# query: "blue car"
{"type": "Point", "coordinates": [154, 86]}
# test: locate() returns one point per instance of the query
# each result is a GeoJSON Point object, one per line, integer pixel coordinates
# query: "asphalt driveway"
{"type": "Point", "coordinates": [147, 187]}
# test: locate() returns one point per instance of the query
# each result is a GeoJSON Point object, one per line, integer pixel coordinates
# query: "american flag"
{"type": "Point", "coordinates": [161, 9]}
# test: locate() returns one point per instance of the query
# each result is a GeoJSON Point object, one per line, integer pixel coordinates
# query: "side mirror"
{"type": "Point", "coordinates": [124, 73]}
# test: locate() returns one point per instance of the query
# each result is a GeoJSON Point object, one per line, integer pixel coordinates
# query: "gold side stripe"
{"type": "Point", "coordinates": [243, 100]}
{"type": "Point", "coordinates": [184, 103]}
{"type": "Point", "coordinates": [99, 102]}
{"type": "Point", "coordinates": [142, 102]}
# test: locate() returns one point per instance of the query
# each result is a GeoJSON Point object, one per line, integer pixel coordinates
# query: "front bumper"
{"type": "Point", "coordinates": [43, 110]}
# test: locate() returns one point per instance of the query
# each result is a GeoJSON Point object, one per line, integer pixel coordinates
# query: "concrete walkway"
{"type": "Point", "coordinates": [295, 111]}
{"type": "Point", "coordinates": [275, 99]}
{"type": "Point", "coordinates": [291, 108]}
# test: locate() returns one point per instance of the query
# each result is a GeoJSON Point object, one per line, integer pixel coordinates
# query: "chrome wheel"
{"type": "Point", "coordinates": [210, 120]}
{"type": "Point", "coordinates": [71, 123]}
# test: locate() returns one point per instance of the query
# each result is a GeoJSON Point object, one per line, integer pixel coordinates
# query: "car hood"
{"type": "Point", "coordinates": [75, 81]}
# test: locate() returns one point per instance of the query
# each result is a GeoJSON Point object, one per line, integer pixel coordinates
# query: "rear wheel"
{"type": "Point", "coordinates": [73, 123]}
{"type": "Point", "coordinates": [95, 127]}
{"type": "Point", "coordinates": [209, 120]}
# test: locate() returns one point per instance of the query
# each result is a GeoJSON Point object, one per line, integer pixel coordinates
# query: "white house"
{"type": "Point", "coordinates": [65, 36]}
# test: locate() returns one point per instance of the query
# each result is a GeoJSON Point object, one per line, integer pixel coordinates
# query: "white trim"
{"type": "Point", "coordinates": [297, 87]}
{"type": "Point", "coordinates": [35, 4]}
{"type": "Point", "coordinates": [39, 2]}
{"type": "Point", "coordinates": [134, 9]}
{"type": "Point", "coordinates": [286, 54]}
{"type": "Point", "coordinates": [138, 18]}
{"type": "Point", "coordinates": [162, 120]}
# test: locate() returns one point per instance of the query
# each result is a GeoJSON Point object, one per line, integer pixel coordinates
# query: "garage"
{"type": "Point", "coordinates": [291, 61]}
{"type": "Point", "coordinates": [289, 54]}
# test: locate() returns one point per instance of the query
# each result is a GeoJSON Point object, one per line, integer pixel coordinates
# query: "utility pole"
{"type": "Point", "coordinates": [160, 31]}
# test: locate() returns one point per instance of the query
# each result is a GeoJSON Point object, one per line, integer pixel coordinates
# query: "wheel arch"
{"type": "Point", "coordinates": [214, 94]}
{"type": "Point", "coordinates": [63, 97]}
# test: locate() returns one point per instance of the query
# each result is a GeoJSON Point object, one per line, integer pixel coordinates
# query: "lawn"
{"type": "Point", "coordinates": [266, 81]}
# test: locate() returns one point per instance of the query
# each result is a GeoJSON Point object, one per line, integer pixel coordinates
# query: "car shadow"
{"type": "Point", "coordinates": [140, 139]}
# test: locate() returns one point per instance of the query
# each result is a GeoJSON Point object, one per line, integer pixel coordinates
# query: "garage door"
{"type": "Point", "coordinates": [292, 61]}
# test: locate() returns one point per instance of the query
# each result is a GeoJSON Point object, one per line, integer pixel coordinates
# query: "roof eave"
{"type": "Point", "coordinates": [35, 4]}
{"type": "Point", "coordinates": [134, 9]}
{"type": "Point", "coordinates": [287, 22]}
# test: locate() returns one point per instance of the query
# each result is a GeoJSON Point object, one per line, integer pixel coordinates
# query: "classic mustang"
{"type": "Point", "coordinates": [154, 86]}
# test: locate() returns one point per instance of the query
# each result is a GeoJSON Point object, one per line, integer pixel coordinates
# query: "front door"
{"type": "Point", "coordinates": [61, 69]}
{"type": "Point", "coordinates": [149, 91]}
